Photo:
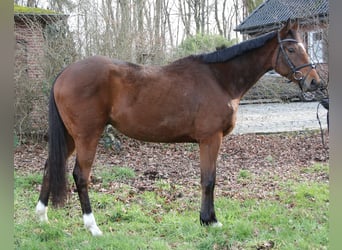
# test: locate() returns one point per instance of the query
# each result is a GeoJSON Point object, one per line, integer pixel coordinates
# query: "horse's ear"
{"type": "Point", "coordinates": [295, 24]}
{"type": "Point", "coordinates": [291, 24]}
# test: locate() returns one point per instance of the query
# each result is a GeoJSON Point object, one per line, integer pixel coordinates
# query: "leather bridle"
{"type": "Point", "coordinates": [295, 71]}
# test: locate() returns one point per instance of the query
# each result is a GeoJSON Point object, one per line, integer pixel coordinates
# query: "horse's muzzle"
{"type": "Point", "coordinates": [314, 85]}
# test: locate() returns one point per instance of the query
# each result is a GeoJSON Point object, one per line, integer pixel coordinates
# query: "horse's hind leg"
{"type": "Point", "coordinates": [84, 159]}
{"type": "Point", "coordinates": [209, 149]}
{"type": "Point", "coordinates": [42, 206]}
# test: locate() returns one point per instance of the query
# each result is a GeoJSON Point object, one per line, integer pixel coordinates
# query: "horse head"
{"type": "Point", "coordinates": [291, 59]}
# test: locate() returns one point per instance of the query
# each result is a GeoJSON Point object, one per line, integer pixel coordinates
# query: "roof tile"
{"type": "Point", "coordinates": [274, 12]}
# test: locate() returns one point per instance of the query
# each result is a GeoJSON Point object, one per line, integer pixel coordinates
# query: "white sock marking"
{"type": "Point", "coordinates": [217, 224]}
{"type": "Point", "coordinates": [41, 211]}
{"type": "Point", "coordinates": [90, 224]}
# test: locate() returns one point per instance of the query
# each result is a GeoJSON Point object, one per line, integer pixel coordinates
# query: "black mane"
{"type": "Point", "coordinates": [226, 54]}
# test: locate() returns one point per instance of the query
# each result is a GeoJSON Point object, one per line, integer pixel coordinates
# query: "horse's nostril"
{"type": "Point", "coordinates": [314, 83]}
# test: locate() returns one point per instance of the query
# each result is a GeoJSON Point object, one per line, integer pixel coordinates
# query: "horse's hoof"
{"type": "Point", "coordinates": [95, 231]}
{"type": "Point", "coordinates": [216, 224]}
{"type": "Point", "coordinates": [209, 221]}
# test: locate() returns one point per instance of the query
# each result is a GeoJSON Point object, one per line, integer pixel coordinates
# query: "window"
{"type": "Point", "coordinates": [316, 46]}
{"type": "Point", "coordinates": [317, 36]}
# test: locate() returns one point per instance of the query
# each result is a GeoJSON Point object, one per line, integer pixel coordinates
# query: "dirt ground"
{"type": "Point", "coordinates": [252, 163]}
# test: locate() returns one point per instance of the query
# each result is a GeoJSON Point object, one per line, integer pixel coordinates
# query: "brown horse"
{"type": "Point", "coordinates": [194, 99]}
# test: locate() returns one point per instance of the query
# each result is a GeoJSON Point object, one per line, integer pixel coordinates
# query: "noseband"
{"type": "Point", "coordinates": [296, 73]}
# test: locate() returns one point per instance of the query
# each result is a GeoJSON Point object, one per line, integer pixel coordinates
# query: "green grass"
{"type": "Point", "coordinates": [317, 168]}
{"type": "Point", "coordinates": [297, 219]}
{"type": "Point", "coordinates": [106, 175]}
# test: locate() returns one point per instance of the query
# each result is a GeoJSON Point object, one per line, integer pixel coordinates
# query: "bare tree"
{"type": "Point", "coordinates": [185, 15]}
{"type": "Point", "coordinates": [167, 27]}
{"type": "Point", "coordinates": [31, 3]}
{"type": "Point", "coordinates": [218, 23]}
{"type": "Point", "coordinates": [62, 6]}
{"type": "Point", "coordinates": [143, 30]}
{"type": "Point", "coordinates": [157, 28]}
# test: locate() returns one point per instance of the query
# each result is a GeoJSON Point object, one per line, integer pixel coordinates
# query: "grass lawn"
{"type": "Point", "coordinates": [297, 218]}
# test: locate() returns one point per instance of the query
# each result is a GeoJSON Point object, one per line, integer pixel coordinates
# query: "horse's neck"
{"type": "Point", "coordinates": [244, 71]}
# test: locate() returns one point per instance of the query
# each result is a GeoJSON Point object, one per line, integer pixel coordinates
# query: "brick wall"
{"type": "Point", "coordinates": [29, 47]}
{"type": "Point", "coordinates": [30, 69]}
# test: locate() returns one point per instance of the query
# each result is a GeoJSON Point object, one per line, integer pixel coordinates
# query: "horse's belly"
{"type": "Point", "coordinates": [156, 135]}
{"type": "Point", "coordinates": [155, 128]}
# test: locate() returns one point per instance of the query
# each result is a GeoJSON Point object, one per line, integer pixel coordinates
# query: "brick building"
{"type": "Point", "coordinates": [29, 34]}
{"type": "Point", "coordinates": [32, 30]}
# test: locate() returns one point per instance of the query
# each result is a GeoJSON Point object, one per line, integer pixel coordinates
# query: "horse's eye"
{"type": "Point", "coordinates": [291, 50]}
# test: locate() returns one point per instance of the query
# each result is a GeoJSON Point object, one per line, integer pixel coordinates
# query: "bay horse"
{"type": "Point", "coordinates": [193, 99]}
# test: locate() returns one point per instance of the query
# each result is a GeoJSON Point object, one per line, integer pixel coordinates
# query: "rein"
{"type": "Point", "coordinates": [296, 73]}
{"type": "Point", "coordinates": [325, 103]}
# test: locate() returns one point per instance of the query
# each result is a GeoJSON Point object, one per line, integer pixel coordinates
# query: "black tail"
{"type": "Point", "coordinates": [57, 154]}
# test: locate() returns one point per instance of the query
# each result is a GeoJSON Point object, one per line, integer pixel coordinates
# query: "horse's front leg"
{"type": "Point", "coordinates": [209, 149]}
